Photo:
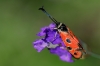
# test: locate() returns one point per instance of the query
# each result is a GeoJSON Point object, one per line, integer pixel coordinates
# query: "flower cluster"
{"type": "Point", "coordinates": [52, 40]}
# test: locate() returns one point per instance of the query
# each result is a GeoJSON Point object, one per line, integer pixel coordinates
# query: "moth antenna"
{"type": "Point", "coordinates": [54, 20]}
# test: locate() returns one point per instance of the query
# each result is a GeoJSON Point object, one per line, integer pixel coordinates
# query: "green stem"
{"type": "Point", "coordinates": [94, 55]}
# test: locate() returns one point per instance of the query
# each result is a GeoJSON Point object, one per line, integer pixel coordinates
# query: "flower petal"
{"type": "Point", "coordinates": [52, 26]}
{"type": "Point", "coordinates": [39, 45]}
{"type": "Point", "coordinates": [50, 36]}
{"type": "Point", "coordinates": [62, 53]}
{"type": "Point", "coordinates": [66, 58]}
{"type": "Point", "coordinates": [58, 51]}
{"type": "Point", "coordinates": [42, 32]}
{"type": "Point", "coordinates": [57, 41]}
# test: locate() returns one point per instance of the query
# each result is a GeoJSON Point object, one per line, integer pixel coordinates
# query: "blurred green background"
{"type": "Point", "coordinates": [20, 20]}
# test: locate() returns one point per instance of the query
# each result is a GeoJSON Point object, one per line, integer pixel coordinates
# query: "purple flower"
{"type": "Point", "coordinates": [52, 40]}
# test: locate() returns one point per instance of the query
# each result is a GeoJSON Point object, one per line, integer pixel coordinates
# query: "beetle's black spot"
{"type": "Point", "coordinates": [68, 40]}
{"type": "Point", "coordinates": [75, 53]}
{"type": "Point", "coordinates": [69, 48]}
